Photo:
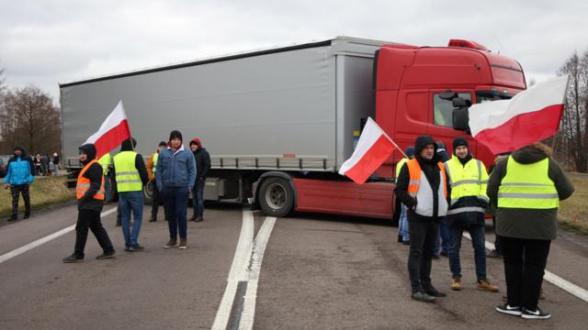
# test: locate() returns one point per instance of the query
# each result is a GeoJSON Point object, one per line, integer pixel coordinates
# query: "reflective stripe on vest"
{"type": "Point", "coordinates": [469, 180]}
{"type": "Point", "coordinates": [425, 196]}
{"type": "Point", "coordinates": [399, 166]}
{"type": "Point", "coordinates": [155, 157]}
{"type": "Point", "coordinates": [527, 186]}
{"type": "Point", "coordinates": [83, 184]}
{"type": "Point", "coordinates": [127, 175]}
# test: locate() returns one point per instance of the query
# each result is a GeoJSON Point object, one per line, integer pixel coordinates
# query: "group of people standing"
{"type": "Point", "coordinates": [525, 186]}
{"type": "Point", "coordinates": [45, 165]}
{"type": "Point", "coordinates": [172, 170]}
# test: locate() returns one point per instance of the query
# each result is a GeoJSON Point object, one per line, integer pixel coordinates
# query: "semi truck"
{"type": "Point", "coordinates": [279, 122]}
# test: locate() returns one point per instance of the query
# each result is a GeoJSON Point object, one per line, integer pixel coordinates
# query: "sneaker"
{"type": "Point", "coordinates": [137, 247]}
{"type": "Point", "coordinates": [456, 284]}
{"type": "Point", "coordinates": [72, 258]}
{"type": "Point", "coordinates": [405, 242]}
{"type": "Point", "coordinates": [506, 309]}
{"type": "Point", "coordinates": [172, 243]}
{"type": "Point", "coordinates": [183, 244]}
{"type": "Point", "coordinates": [193, 218]}
{"type": "Point", "coordinates": [431, 291]}
{"type": "Point", "coordinates": [198, 219]}
{"type": "Point", "coordinates": [105, 256]}
{"type": "Point", "coordinates": [13, 218]}
{"type": "Point", "coordinates": [421, 296]}
{"type": "Point", "coordinates": [153, 219]}
{"type": "Point", "coordinates": [537, 314]}
{"type": "Point", "coordinates": [485, 285]}
{"type": "Point", "coordinates": [494, 254]}
{"type": "Point", "coordinates": [444, 254]}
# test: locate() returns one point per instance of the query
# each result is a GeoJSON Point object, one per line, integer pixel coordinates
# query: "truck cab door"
{"type": "Point", "coordinates": [440, 119]}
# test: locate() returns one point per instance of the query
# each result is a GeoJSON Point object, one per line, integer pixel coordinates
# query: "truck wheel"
{"type": "Point", "coordinates": [276, 197]}
{"type": "Point", "coordinates": [148, 193]}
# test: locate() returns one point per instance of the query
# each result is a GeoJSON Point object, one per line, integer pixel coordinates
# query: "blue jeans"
{"type": "Point", "coordinates": [403, 224]}
{"type": "Point", "coordinates": [476, 231]}
{"type": "Point", "coordinates": [131, 201]}
{"type": "Point", "coordinates": [175, 204]}
{"type": "Point", "coordinates": [443, 241]}
{"type": "Point", "coordinates": [198, 193]}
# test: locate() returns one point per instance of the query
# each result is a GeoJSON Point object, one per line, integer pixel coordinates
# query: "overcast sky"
{"type": "Point", "coordinates": [44, 43]}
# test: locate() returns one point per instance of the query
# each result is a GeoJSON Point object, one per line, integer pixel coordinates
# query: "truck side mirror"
{"type": "Point", "coordinates": [460, 114]}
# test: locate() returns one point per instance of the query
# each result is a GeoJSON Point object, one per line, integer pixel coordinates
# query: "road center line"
{"type": "Point", "coordinates": [236, 273]}
{"type": "Point", "coordinates": [41, 241]}
{"type": "Point", "coordinates": [551, 278]}
{"type": "Point", "coordinates": [248, 314]}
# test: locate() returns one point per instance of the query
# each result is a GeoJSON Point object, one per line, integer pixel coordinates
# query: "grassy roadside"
{"type": "Point", "coordinates": [44, 191]}
{"type": "Point", "coordinates": [573, 212]}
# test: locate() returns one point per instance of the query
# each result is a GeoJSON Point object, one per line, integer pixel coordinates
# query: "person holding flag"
{"type": "Point", "coordinates": [90, 196]}
{"type": "Point", "coordinates": [422, 186]}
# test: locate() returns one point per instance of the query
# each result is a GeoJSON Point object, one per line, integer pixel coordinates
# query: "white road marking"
{"type": "Point", "coordinates": [551, 278]}
{"type": "Point", "coordinates": [248, 314]}
{"type": "Point", "coordinates": [236, 273]}
{"type": "Point", "coordinates": [41, 241]}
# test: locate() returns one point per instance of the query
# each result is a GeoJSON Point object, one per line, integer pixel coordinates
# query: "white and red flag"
{"type": "Point", "coordinates": [113, 131]}
{"type": "Point", "coordinates": [372, 149]}
{"type": "Point", "coordinates": [530, 116]}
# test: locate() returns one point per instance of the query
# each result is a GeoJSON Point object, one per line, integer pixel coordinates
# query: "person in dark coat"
{"type": "Point", "coordinates": [423, 187]}
{"type": "Point", "coordinates": [90, 196]}
{"type": "Point", "coordinates": [443, 243]}
{"type": "Point", "coordinates": [527, 187]}
{"type": "Point", "coordinates": [202, 158]}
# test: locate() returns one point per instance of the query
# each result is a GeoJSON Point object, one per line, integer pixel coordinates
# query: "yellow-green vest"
{"type": "Point", "coordinates": [105, 161]}
{"type": "Point", "coordinates": [155, 157]}
{"type": "Point", "coordinates": [399, 166]}
{"type": "Point", "coordinates": [127, 175]}
{"type": "Point", "coordinates": [467, 180]}
{"type": "Point", "coordinates": [527, 186]}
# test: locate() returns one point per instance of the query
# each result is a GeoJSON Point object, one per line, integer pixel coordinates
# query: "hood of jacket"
{"type": "Point", "coordinates": [420, 144]}
{"type": "Point", "coordinates": [532, 153]}
{"type": "Point", "coordinates": [197, 142]}
{"type": "Point", "coordinates": [22, 151]}
{"type": "Point", "coordinates": [90, 150]}
{"type": "Point", "coordinates": [126, 145]}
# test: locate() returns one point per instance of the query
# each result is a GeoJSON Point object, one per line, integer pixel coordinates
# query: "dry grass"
{"type": "Point", "coordinates": [573, 212]}
{"type": "Point", "coordinates": [44, 191]}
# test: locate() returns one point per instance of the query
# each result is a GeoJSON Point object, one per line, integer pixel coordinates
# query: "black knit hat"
{"type": "Point", "coordinates": [175, 134]}
{"type": "Point", "coordinates": [459, 141]}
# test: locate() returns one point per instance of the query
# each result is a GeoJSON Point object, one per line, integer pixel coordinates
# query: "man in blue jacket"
{"type": "Point", "coordinates": [175, 176]}
{"type": "Point", "coordinates": [19, 176]}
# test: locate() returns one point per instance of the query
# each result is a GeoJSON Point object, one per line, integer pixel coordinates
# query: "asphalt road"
{"type": "Point", "coordinates": [318, 272]}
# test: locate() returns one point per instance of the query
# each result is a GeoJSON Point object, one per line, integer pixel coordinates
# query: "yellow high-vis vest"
{"type": "Point", "coordinates": [127, 175]}
{"type": "Point", "coordinates": [467, 180]}
{"type": "Point", "coordinates": [155, 157]}
{"type": "Point", "coordinates": [399, 166]}
{"type": "Point", "coordinates": [527, 186]}
{"type": "Point", "coordinates": [105, 161]}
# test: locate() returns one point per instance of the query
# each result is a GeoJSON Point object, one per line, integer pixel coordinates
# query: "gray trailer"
{"type": "Point", "coordinates": [277, 113]}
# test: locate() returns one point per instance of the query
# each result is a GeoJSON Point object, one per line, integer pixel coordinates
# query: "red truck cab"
{"type": "Point", "coordinates": [409, 81]}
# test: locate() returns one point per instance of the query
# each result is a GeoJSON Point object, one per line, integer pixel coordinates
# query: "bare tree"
{"type": "Point", "coordinates": [575, 120]}
{"type": "Point", "coordinates": [31, 120]}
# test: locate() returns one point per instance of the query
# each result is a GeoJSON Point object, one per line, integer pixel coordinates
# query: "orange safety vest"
{"type": "Point", "coordinates": [83, 184]}
{"type": "Point", "coordinates": [414, 171]}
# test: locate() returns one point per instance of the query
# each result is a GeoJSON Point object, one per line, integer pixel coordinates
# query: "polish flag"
{"type": "Point", "coordinates": [530, 116]}
{"type": "Point", "coordinates": [114, 130]}
{"type": "Point", "coordinates": [372, 149]}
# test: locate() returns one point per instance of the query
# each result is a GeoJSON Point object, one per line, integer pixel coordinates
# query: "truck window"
{"type": "Point", "coordinates": [443, 109]}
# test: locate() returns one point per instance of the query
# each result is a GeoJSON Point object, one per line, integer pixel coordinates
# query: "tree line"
{"type": "Point", "coordinates": [28, 118]}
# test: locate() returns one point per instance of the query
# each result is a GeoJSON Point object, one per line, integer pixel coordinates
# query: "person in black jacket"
{"type": "Point", "coordinates": [90, 196]}
{"type": "Point", "coordinates": [426, 200]}
{"type": "Point", "coordinates": [202, 158]}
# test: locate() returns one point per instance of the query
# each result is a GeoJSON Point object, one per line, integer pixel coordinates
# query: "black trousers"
{"type": "Point", "coordinates": [422, 243]}
{"type": "Point", "coordinates": [156, 201]}
{"type": "Point", "coordinates": [524, 267]}
{"type": "Point", "coordinates": [24, 191]}
{"type": "Point", "coordinates": [90, 219]}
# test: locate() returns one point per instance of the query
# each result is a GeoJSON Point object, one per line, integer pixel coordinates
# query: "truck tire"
{"type": "Point", "coordinates": [276, 197]}
{"type": "Point", "coordinates": [148, 193]}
